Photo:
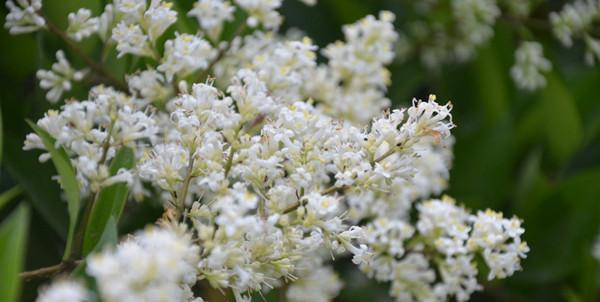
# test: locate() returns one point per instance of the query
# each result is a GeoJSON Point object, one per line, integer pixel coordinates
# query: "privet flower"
{"type": "Point", "coordinates": [58, 79]}
{"type": "Point", "coordinates": [65, 290]}
{"type": "Point", "coordinates": [211, 15]}
{"type": "Point", "coordinates": [276, 165]}
{"type": "Point", "coordinates": [574, 19]}
{"type": "Point", "coordinates": [153, 265]}
{"type": "Point", "coordinates": [530, 64]}
{"type": "Point", "coordinates": [23, 16]}
{"type": "Point", "coordinates": [185, 54]}
{"type": "Point", "coordinates": [91, 131]}
{"type": "Point", "coordinates": [81, 24]}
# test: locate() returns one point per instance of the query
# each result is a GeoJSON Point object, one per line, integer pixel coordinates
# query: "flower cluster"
{"type": "Point", "coordinates": [155, 265]}
{"type": "Point", "coordinates": [271, 168]}
{"type": "Point", "coordinates": [93, 130]}
{"type": "Point", "coordinates": [529, 66]}
{"type": "Point", "coordinates": [575, 20]}
{"type": "Point", "coordinates": [439, 32]}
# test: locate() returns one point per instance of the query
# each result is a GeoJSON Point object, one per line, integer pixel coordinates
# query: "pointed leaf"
{"type": "Point", "coordinates": [13, 237]}
{"type": "Point", "coordinates": [68, 180]}
{"type": "Point", "coordinates": [109, 203]}
{"type": "Point", "coordinates": [564, 130]}
{"type": "Point", "coordinates": [9, 195]}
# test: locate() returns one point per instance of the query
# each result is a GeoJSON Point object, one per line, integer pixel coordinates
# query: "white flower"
{"type": "Point", "coordinates": [530, 65]}
{"type": "Point", "coordinates": [211, 15]}
{"type": "Point", "coordinates": [165, 166]}
{"type": "Point", "coordinates": [65, 290]}
{"type": "Point", "coordinates": [58, 79]}
{"type": "Point", "coordinates": [23, 16]}
{"type": "Point", "coordinates": [596, 249]}
{"type": "Point", "coordinates": [158, 18]}
{"type": "Point", "coordinates": [319, 285]}
{"type": "Point", "coordinates": [500, 240]}
{"type": "Point", "coordinates": [262, 12]}
{"type": "Point", "coordinates": [132, 10]}
{"type": "Point", "coordinates": [309, 2]}
{"type": "Point", "coordinates": [185, 54]}
{"type": "Point", "coordinates": [81, 24]}
{"type": "Point", "coordinates": [106, 22]}
{"type": "Point", "coordinates": [323, 205]}
{"type": "Point", "coordinates": [592, 53]}
{"type": "Point", "coordinates": [476, 18]}
{"type": "Point", "coordinates": [251, 95]}
{"type": "Point", "coordinates": [574, 19]}
{"type": "Point", "coordinates": [412, 279]}
{"type": "Point", "coordinates": [154, 265]}
{"type": "Point", "coordinates": [148, 84]}
{"type": "Point", "coordinates": [131, 39]}
{"type": "Point", "coordinates": [445, 224]}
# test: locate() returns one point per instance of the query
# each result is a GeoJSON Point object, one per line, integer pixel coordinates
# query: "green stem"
{"type": "Point", "coordinates": [180, 202]}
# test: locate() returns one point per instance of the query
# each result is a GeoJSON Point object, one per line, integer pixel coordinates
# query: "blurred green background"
{"type": "Point", "coordinates": [534, 155]}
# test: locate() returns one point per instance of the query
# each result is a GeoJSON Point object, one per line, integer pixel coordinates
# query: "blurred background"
{"type": "Point", "coordinates": [531, 154]}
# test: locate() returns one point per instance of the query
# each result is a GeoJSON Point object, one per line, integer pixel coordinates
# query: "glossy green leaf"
{"type": "Point", "coordinates": [9, 195]}
{"type": "Point", "coordinates": [1, 137]}
{"type": "Point", "coordinates": [110, 237]}
{"type": "Point", "coordinates": [109, 203]}
{"type": "Point", "coordinates": [564, 130]}
{"type": "Point", "coordinates": [13, 237]}
{"type": "Point", "coordinates": [68, 181]}
{"type": "Point", "coordinates": [36, 180]}
{"type": "Point", "coordinates": [492, 86]}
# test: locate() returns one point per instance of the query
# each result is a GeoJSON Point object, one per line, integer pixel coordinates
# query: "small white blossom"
{"type": "Point", "coordinates": [131, 39]}
{"type": "Point", "coordinates": [23, 16]}
{"type": "Point", "coordinates": [81, 24]}
{"type": "Point", "coordinates": [148, 84]}
{"type": "Point", "coordinates": [211, 15]}
{"type": "Point", "coordinates": [262, 12]}
{"type": "Point", "coordinates": [65, 290]}
{"type": "Point", "coordinates": [320, 285]}
{"type": "Point", "coordinates": [185, 54]}
{"type": "Point", "coordinates": [58, 79]}
{"type": "Point", "coordinates": [158, 18]}
{"type": "Point", "coordinates": [154, 265]}
{"type": "Point", "coordinates": [574, 19]}
{"type": "Point", "coordinates": [322, 205]}
{"type": "Point", "coordinates": [530, 64]}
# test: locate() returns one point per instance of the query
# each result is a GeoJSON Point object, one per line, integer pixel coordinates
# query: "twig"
{"type": "Point", "coordinates": [179, 204]}
{"type": "Point", "coordinates": [97, 68]}
{"type": "Point", "coordinates": [47, 272]}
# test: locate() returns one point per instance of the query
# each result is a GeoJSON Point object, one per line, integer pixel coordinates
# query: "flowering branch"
{"type": "Point", "coordinates": [97, 68]}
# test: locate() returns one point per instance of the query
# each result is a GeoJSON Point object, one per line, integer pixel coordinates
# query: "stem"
{"type": "Point", "coordinates": [80, 234]}
{"type": "Point", "coordinates": [229, 161]}
{"type": "Point", "coordinates": [99, 69]}
{"type": "Point", "coordinates": [179, 204]}
{"type": "Point", "coordinates": [47, 272]}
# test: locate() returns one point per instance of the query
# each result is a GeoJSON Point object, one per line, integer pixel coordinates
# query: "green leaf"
{"type": "Point", "coordinates": [9, 195]}
{"type": "Point", "coordinates": [109, 238]}
{"type": "Point", "coordinates": [68, 181]}
{"type": "Point", "coordinates": [564, 130]}
{"type": "Point", "coordinates": [492, 86]}
{"type": "Point", "coordinates": [13, 237]}
{"type": "Point", "coordinates": [1, 136]}
{"type": "Point", "coordinates": [109, 203]}
{"type": "Point", "coordinates": [37, 183]}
